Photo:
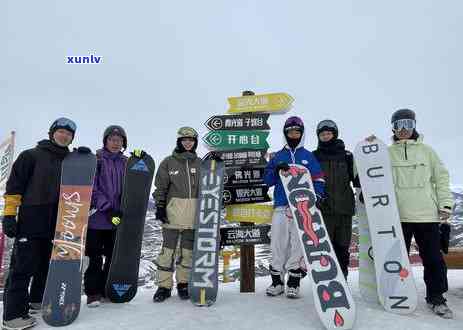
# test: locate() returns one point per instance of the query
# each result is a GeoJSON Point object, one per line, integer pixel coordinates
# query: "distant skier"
{"type": "Point", "coordinates": [176, 194]}
{"type": "Point", "coordinates": [287, 253]}
{"type": "Point", "coordinates": [105, 212]}
{"type": "Point", "coordinates": [31, 207]}
{"type": "Point", "coordinates": [338, 205]}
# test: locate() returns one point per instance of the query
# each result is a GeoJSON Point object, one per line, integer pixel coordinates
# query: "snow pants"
{"type": "Point", "coordinates": [427, 237]}
{"type": "Point", "coordinates": [286, 248]}
{"type": "Point", "coordinates": [339, 229]}
{"type": "Point", "coordinates": [175, 253]}
{"type": "Point", "coordinates": [30, 260]}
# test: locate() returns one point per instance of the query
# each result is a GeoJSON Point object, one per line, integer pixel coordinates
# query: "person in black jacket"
{"type": "Point", "coordinates": [338, 205]}
{"type": "Point", "coordinates": [31, 207]}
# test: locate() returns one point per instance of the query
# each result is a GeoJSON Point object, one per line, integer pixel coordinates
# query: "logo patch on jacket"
{"type": "Point", "coordinates": [175, 172]}
{"type": "Point", "coordinates": [140, 166]}
{"type": "Point", "coordinates": [193, 170]}
{"type": "Point", "coordinates": [304, 161]}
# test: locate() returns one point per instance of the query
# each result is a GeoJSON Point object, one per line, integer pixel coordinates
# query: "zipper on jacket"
{"type": "Point", "coordinates": [406, 156]}
{"type": "Point", "coordinates": [189, 179]}
{"type": "Point", "coordinates": [293, 155]}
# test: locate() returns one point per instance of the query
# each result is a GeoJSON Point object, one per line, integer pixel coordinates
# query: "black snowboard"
{"type": "Point", "coordinates": [122, 282]}
{"type": "Point", "coordinates": [203, 285]}
{"type": "Point", "coordinates": [61, 300]}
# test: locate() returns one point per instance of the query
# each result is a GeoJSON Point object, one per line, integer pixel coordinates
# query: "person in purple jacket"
{"type": "Point", "coordinates": [105, 212]}
{"type": "Point", "coordinates": [287, 253]}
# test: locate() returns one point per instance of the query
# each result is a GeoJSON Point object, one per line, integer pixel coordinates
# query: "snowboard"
{"type": "Point", "coordinates": [122, 282]}
{"type": "Point", "coordinates": [332, 297]}
{"type": "Point", "coordinates": [61, 299]}
{"type": "Point", "coordinates": [394, 278]}
{"type": "Point", "coordinates": [367, 273]}
{"type": "Point", "coordinates": [203, 283]}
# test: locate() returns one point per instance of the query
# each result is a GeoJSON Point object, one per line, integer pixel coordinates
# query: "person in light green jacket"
{"type": "Point", "coordinates": [424, 200]}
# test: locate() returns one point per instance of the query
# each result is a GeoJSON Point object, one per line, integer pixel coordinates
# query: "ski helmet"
{"type": "Point", "coordinates": [403, 114]}
{"type": "Point", "coordinates": [115, 130]}
{"type": "Point", "coordinates": [327, 125]}
{"type": "Point", "coordinates": [293, 122]}
{"type": "Point", "coordinates": [62, 123]}
{"type": "Point", "coordinates": [186, 131]}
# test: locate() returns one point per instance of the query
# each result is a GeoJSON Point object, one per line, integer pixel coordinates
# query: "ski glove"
{"type": "Point", "coordinates": [138, 153]}
{"type": "Point", "coordinates": [84, 150]}
{"type": "Point", "coordinates": [282, 166]}
{"type": "Point", "coordinates": [10, 226]}
{"type": "Point", "coordinates": [115, 217]}
{"type": "Point", "coordinates": [161, 214]}
{"type": "Point", "coordinates": [445, 213]}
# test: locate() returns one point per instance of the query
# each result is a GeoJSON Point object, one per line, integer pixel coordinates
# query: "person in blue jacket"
{"type": "Point", "coordinates": [287, 253]}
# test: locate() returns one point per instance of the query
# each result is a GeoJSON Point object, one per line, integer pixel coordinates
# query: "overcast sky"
{"type": "Point", "coordinates": [171, 63]}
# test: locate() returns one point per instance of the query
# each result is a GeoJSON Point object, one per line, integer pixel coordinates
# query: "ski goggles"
{"type": "Point", "coordinates": [326, 124]}
{"type": "Point", "coordinates": [408, 124]}
{"type": "Point", "coordinates": [296, 128]}
{"type": "Point", "coordinates": [65, 123]}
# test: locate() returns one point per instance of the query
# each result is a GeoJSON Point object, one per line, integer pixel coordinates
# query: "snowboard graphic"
{"type": "Point", "coordinates": [332, 297]}
{"type": "Point", "coordinates": [61, 300]}
{"type": "Point", "coordinates": [203, 285]}
{"type": "Point", "coordinates": [394, 278]}
{"type": "Point", "coordinates": [122, 282]}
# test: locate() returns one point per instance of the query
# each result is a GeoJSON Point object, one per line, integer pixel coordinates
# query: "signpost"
{"type": "Point", "coordinates": [235, 176]}
{"type": "Point", "coordinates": [233, 140]}
{"type": "Point", "coordinates": [238, 158]}
{"type": "Point", "coordinates": [255, 213]}
{"type": "Point", "coordinates": [241, 122]}
{"type": "Point", "coordinates": [250, 235]}
{"type": "Point", "coordinates": [246, 194]}
{"type": "Point", "coordinates": [269, 103]}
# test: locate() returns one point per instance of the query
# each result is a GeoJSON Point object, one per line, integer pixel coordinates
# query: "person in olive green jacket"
{"type": "Point", "coordinates": [176, 194]}
{"type": "Point", "coordinates": [424, 200]}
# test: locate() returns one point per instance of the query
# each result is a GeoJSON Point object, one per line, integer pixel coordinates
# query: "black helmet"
{"type": "Point", "coordinates": [115, 130]}
{"type": "Point", "coordinates": [327, 125]}
{"type": "Point", "coordinates": [403, 114]}
{"type": "Point", "coordinates": [62, 123]}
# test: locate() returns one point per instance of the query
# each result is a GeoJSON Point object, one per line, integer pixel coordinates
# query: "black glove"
{"type": "Point", "coordinates": [115, 217]}
{"type": "Point", "coordinates": [10, 226]}
{"type": "Point", "coordinates": [84, 150]}
{"type": "Point", "coordinates": [361, 199]}
{"type": "Point", "coordinates": [214, 156]}
{"type": "Point", "coordinates": [282, 166]}
{"type": "Point", "coordinates": [161, 214]}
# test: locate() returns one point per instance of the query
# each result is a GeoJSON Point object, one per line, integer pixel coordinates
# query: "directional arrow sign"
{"type": "Point", "coordinates": [276, 102]}
{"type": "Point", "coordinates": [243, 176]}
{"type": "Point", "coordinates": [238, 158]}
{"type": "Point", "coordinates": [249, 235]}
{"type": "Point", "coordinates": [241, 122]}
{"type": "Point", "coordinates": [257, 213]}
{"type": "Point", "coordinates": [246, 194]}
{"type": "Point", "coordinates": [232, 140]}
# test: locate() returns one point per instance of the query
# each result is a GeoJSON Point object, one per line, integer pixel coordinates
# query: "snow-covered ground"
{"type": "Point", "coordinates": [257, 311]}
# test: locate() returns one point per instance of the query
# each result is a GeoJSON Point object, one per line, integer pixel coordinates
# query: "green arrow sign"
{"type": "Point", "coordinates": [232, 140]}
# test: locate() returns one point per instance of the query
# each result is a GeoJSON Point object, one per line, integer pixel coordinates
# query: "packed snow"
{"type": "Point", "coordinates": [235, 310]}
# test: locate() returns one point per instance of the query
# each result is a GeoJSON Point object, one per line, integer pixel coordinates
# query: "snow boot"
{"type": "Point", "coordinates": [93, 300]}
{"type": "Point", "coordinates": [161, 294]}
{"type": "Point", "coordinates": [35, 308]}
{"type": "Point", "coordinates": [293, 284]}
{"type": "Point", "coordinates": [182, 291]}
{"type": "Point", "coordinates": [277, 287]}
{"type": "Point", "coordinates": [439, 307]}
{"type": "Point", "coordinates": [19, 323]}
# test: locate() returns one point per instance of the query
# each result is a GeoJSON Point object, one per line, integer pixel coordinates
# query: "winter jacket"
{"type": "Point", "coordinates": [177, 183]}
{"type": "Point", "coordinates": [421, 181]}
{"type": "Point", "coordinates": [35, 177]}
{"type": "Point", "coordinates": [107, 188]}
{"type": "Point", "coordinates": [299, 156]}
{"type": "Point", "coordinates": [337, 164]}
